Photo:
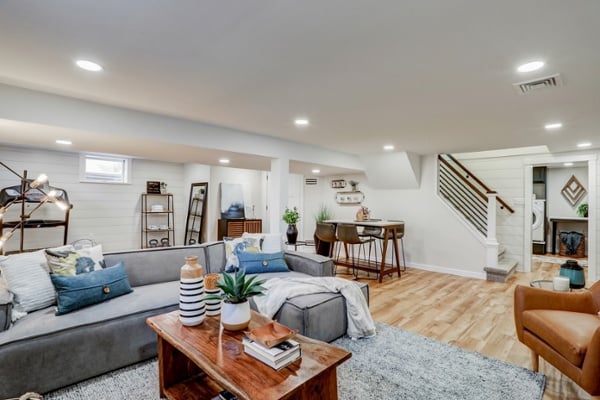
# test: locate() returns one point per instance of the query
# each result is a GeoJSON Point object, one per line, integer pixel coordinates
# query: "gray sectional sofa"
{"type": "Point", "coordinates": [43, 352]}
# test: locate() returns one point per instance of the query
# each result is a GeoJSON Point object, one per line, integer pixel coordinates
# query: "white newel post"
{"type": "Point", "coordinates": [491, 241]}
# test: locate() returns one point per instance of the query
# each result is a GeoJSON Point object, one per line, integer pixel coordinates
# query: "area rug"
{"type": "Point", "coordinates": [395, 364]}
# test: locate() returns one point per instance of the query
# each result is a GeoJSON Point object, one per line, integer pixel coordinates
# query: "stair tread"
{"type": "Point", "coordinates": [504, 266]}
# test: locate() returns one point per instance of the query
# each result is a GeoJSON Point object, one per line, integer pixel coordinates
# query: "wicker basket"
{"type": "Point", "coordinates": [579, 252]}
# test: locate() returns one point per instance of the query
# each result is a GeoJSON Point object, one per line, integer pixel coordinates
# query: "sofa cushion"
{"type": "Point", "coordinates": [255, 263]}
{"type": "Point", "coordinates": [75, 292]}
{"type": "Point", "coordinates": [26, 277]}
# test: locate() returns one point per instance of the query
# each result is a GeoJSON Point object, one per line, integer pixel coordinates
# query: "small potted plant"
{"type": "Point", "coordinates": [235, 310]}
{"type": "Point", "coordinates": [291, 217]}
{"type": "Point", "coordinates": [582, 210]}
{"type": "Point", "coordinates": [354, 185]}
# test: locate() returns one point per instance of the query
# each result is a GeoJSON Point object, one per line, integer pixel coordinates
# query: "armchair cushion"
{"type": "Point", "coordinates": [569, 333]}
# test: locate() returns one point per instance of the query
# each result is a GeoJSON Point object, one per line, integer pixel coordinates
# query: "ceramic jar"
{"type": "Point", "coordinates": [192, 308]}
{"type": "Point", "coordinates": [572, 270]}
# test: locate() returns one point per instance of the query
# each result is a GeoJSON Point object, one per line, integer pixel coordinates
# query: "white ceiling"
{"type": "Point", "coordinates": [428, 76]}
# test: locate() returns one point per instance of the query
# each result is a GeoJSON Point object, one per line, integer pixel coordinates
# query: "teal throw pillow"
{"type": "Point", "coordinates": [78, 291]}
{"type": "Point", "coordinates": [256, 263]}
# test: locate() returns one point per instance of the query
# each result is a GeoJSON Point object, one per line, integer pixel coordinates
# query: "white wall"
{"type": "Point", "coordinates": [108, 213]}
{"type": "Point", "coordinates": [434, 238]}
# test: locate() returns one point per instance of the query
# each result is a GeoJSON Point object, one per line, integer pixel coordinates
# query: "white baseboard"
{"type": "Point", "coordinates": [450, 271]}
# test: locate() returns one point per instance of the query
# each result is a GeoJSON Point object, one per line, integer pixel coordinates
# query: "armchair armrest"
{"type": "Point", "coordinates": [311, 264]}
{"type": "Point", "coordinates": [528, 298]}
{"type": "Point", "coordinates": [591, 365]}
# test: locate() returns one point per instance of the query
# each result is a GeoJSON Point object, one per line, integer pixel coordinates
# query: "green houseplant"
{"type": "Point", "coordinates": [582, 210]}
{"type": "Point", "coordinates": [235, 310]}
{"type": "Point", "coordinates": [290, 217]}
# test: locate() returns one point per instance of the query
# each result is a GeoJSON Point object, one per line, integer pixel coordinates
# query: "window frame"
{"type": "Point", "coordinates": [83, 174]}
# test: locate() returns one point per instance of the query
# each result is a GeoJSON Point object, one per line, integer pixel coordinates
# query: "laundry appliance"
{"type": "Point", "coordinates": [539, 216]}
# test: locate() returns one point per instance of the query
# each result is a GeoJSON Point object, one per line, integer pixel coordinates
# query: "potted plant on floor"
{"type": "Point", "coordinates": [291, 217]}
{"type": "Point", "coordinates": [235, 309]}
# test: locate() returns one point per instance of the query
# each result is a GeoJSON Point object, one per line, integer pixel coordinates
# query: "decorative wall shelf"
{"type": "Point", "coordinates": [338, 183]}
{"type": "Point", "coordinates": [350, 198]}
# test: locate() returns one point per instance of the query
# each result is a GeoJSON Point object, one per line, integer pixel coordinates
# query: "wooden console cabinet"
{"type": "Point", "coordinates": [235, 227]}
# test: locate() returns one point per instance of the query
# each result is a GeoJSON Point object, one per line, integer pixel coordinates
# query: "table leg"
{"type": "Point", "coordinates": [383, 253]}
{"type": "Point", "coordinates": [554, 236]}
{"type": "Point", "coordinates": [322, 387]}
{"type": "Point", "coordinates": [173, 366]}
{"type": "Point", "coordinates": [396, 250]}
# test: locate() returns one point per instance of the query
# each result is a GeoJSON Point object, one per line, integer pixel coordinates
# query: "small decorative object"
{"type": "Point", "coordinates": [152, 187]}
{"type": "Point", "coordinates": [338, 184]}
{"type": "Point", "coordinates": [349, 198]}
{"type": "Point", "coordinates": [572, 270]}
{"type": "Point", "coordinates": [354, 185]}
{"type": "Point", "coordinates": [213, 307]}
{"type": "Point", "coordinates": [271, 334]}
{"type": "Point", "coordinates": [573, 191]}
{"type": "Point", "coordinates": [163, 188]}
{"type": "Point", "coordinates": [290, 217]}
{"type": "Point", "coordinates": [164, 242]}
{"type": "Point", "coordinates": [363, 214]}
{"type": "Point", "coordinates": [235, 309]}
{"type": "Point", "coordinates": [153, 243]}
{"type": "Point", "coordinates": [560, 283]}
{"type": "Point", "coordinates": [191, 293]}
{"type": "Point", "coordinates": [582, 210]}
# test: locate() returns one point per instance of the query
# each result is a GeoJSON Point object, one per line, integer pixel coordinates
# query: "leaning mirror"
{"type": "Point", "coordinates": [194, 225]}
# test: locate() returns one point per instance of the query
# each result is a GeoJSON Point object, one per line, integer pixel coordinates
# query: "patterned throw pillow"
{"type": "Point", "coordinates": [26, 277]}
{"type": "Point", "coordinates": [233, 247]}
{"type": "Point", "coordinates": [75, 262]}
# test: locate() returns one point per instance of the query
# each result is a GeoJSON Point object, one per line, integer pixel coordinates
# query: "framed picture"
{"type": "Point", "coordinates": [338, 183]}
{"type": "Point", "coordinates": [232, 201]}
{"type": "Point", "coordinates": [152, 187]}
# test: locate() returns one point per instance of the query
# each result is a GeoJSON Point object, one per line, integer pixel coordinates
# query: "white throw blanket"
{"type": "Point", "coordinates": [360, 323]}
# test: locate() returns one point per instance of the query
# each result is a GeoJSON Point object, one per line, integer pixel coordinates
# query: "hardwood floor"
{"type": "Point", "coordinates": [470, 313]}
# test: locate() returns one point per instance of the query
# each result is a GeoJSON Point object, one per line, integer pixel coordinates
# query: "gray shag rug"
{"type": "Point", "coordinates": [395, 364]}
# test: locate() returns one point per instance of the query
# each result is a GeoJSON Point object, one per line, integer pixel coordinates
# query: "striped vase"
{"type": "Point", "coordinates": [192, 308]}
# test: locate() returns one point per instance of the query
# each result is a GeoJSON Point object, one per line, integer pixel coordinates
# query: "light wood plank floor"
{"type": "Point", "coordinates": [470, 313]}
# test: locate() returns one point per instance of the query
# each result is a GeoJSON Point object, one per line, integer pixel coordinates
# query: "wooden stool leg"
{"type": "Point", "coordinates": [535, 361]}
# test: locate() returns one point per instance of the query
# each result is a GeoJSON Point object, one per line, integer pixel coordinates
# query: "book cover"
{"type": "Point", "coordinates": [279, 364]}
{"type": "Point", "coordinates": [274, 353]}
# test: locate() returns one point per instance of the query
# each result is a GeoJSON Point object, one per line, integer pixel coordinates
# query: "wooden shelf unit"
{"type": "Point", "coordinates": [157, 218]}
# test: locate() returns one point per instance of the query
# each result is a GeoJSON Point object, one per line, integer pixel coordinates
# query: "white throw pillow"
{"type": "Point", "coordinates": [26, 277]}
{"type": "Point", "coordinates": [272, 243]}
{"type": "Point", "coordinates": [95, 253]}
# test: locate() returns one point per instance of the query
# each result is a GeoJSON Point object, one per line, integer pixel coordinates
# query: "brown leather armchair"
{"type": "Point", "coordinates": [563, 328]}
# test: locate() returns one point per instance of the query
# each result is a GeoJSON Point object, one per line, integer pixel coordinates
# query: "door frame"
{"type": "Point", "coordinates": [591, 159]}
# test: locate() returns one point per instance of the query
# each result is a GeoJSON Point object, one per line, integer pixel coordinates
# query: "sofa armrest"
{"type": "Point", "coordinates": [6, 299]}
{"type": "Point", "coordinates": [528, 298]}
{"type": "Point", "coordinates": [310, 264]}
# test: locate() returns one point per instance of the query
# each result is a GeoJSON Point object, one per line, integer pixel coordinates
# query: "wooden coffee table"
{"type": "Point", "coordinates": [198, 362]}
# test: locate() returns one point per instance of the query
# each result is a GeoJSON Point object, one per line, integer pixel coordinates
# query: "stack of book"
{"type": "Point", "coordinates": [276, 357]}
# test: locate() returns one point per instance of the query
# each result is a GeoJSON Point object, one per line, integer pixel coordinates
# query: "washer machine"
{"type": "Point", "coordinates": [539, 216]}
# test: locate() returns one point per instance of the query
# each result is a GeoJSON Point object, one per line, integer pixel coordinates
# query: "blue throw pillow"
{"type": "Point", "coordinates": [256, 263]}
{"type": "Point", "coordinates": [78, 291]}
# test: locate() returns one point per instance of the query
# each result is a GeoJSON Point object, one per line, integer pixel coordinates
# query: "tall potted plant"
{"type": "Point", "coordinates": [291, 217]}
{"type": "Point", "coordinates": [235, 309]}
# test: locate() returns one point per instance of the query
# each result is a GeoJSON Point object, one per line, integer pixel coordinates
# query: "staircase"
{"type": "Point", "coordinates": [477, 205]}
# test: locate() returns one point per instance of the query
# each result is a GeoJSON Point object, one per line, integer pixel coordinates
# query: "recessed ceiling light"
{"type": "Point", "coordinates": [584, 144]}
{"type": "Point", "coordinates": [224, 160]}
{"type": "Point", "coordinates": [89, 65]}
{"type": "Point", "coordinates": [553, 125]}
{"type": "Point", "coordinates": [388, 147]}
{"type": "Point", "coordinates": [65, 142]}
{"type": "Point", "coordinates": [316, 171]}
{"type": "Point", "coordinates": [568, 164]}
{"type": "Point", "coordinates": [301, 122]}
{"type": "Point", "coordinates": [530, 66]}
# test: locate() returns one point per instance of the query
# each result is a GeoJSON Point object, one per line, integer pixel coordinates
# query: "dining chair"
{"type": "Point", "coordinates": [325, 234]}
{"type": "Point", "coordinates": [348, 234]}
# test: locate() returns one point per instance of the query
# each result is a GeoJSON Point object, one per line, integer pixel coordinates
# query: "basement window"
{"type": "Point", "coordinates": [104, 169]}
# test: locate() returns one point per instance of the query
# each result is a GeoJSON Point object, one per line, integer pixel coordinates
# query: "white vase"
{"type": "Point", "coordinates": [235, 317]}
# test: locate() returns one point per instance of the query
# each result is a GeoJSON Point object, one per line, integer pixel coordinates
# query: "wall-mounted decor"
{"type": "Point", "coordinates": [349, 198]}
{"type": "Point", "coordinates": [232, 201]}
{"type": "Point", "coordinates": [573, 191]}
{"type": "Point", "coordinates": [152, 187]}
{"type": "Point", "coordinates": [338, 183]}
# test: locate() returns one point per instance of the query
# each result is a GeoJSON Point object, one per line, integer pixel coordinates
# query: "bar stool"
{"type": "Point", "coordinates": [325, 233]}
{"type": "Point", "coordinates": [348, 234]}
{"type": "Point", "coordinates": [399, 236]}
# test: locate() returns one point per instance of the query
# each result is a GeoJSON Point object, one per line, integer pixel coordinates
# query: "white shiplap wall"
{"type": "Point", "coordinates": [108, 213]}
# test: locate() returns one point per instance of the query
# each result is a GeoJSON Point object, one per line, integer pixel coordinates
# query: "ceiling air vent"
{"type": "Point", "coordinates": [537, 84]}
{"type": "Point", "coordinates": [311, 181]}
